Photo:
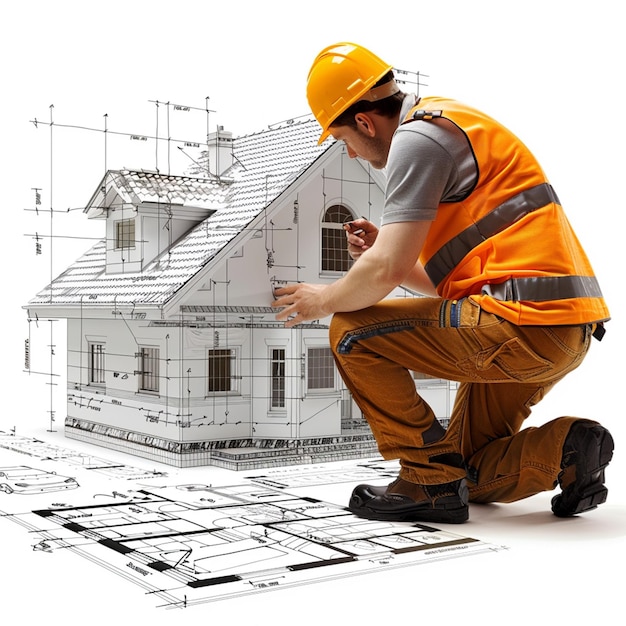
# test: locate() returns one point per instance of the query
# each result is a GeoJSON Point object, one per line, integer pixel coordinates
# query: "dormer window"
{"type": "Point", "coordinates": [124, 234]}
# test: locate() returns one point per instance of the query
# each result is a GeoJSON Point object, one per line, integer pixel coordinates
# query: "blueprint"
{"type": "Point", "coordinates": [183, 541]}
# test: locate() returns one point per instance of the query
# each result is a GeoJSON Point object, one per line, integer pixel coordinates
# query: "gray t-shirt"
{"type": "Point", "coordinates": [429, 162]}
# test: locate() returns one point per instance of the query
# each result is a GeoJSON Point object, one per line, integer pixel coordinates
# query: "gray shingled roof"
{"type": "Point", "coordinates": [266, 164]}
{"type": "Point", "coordinates": [145, 187]}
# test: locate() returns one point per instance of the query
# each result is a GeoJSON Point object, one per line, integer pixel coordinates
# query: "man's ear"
{"type": "Point", "coordinates": [365, 123]}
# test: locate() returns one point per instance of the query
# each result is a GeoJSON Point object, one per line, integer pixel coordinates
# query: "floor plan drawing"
{"type": "Point", "coordinates": [187, 542]}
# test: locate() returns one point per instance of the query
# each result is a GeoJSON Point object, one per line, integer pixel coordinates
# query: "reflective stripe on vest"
{"type": "Point", "coordinates": [543, 288]}
{"type": "Point", "coordinates": [451, 253]}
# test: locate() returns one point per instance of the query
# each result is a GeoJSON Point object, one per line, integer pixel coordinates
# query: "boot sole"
{"type": "Point", "coordinates": [589, 492]}
{"type": "Point", "coordinates": [445, 516]}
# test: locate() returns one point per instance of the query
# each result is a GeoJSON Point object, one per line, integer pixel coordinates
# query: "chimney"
{"type": "Point", "coordinates": [220, 151]}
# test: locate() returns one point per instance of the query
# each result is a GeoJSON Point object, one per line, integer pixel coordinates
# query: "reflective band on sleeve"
{"type": "Point", "coordinates": [451, 253]}
{"type": "Point", "coordinates": [543, 288]}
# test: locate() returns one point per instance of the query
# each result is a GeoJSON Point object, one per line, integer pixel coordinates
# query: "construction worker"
{"type": "Point", "coordinates": [511, 303]}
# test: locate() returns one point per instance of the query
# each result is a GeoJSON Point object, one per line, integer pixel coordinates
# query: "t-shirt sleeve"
{"type": "Point", "coordinates": [424, 169]}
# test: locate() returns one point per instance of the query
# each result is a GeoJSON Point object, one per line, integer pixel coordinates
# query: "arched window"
{"type": "Point", "coordinates": [335, 257]}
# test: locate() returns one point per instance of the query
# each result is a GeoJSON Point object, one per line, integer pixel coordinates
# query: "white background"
{"type": "Point", "coordinates": [551, 70]}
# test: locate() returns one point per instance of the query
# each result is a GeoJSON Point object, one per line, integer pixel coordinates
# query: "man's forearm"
{"type": "Point", "coordinates": [367, 283]}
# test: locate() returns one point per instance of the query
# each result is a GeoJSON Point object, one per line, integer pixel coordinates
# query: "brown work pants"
{"type": "Point", "coordinates": [503, 370]}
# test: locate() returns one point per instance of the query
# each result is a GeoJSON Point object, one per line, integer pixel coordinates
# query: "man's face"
{"type": "Point", "coordinates": [374, 150]}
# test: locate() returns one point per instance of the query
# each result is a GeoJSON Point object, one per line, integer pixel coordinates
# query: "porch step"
{"type": "Point", "coordinates": [296, 453]}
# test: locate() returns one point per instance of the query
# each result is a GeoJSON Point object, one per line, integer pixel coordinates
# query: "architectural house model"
{"type": "Point", "coordinates": [174, 352]}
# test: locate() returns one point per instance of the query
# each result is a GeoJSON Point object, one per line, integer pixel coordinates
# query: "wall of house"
{"type": "Point", "coordinates": [180, 409]}
{"type": "Point", "coordinates": [121, 260]}
{"type": "Point", "coordinates": [305, 414]}
{"type": "Point", "coordinates": [183, 409]}
{"type": "Point", "coordinates": [117, 401]}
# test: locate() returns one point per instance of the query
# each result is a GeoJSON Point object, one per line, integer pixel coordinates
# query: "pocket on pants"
{"type": "Point", "coordinates": [512, 360]}
{"type": "Point", "coordinates": [459, 313]}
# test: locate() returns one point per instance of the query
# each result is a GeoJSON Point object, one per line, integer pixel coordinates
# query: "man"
{"type": "Point", "coordinates": [511, 304]}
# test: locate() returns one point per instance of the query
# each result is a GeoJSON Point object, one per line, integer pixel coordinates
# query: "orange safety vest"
{"type": "Point", "coordinates": [508, 243]}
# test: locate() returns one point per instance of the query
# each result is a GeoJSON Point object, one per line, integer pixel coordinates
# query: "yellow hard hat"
{"type": "Point", "coordinates": [341, 75]}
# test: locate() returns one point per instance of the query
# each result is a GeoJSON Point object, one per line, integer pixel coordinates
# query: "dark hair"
{"type": "Point", "coordinates": [387, 107]}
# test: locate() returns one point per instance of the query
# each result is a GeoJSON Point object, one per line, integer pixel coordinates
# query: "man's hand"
{"type": "Point", "coordinates": [391, 262]}
{"type": "Point", "coordinates": [361, 235]}
{"type": "Point", "coordinates": [300, 302]}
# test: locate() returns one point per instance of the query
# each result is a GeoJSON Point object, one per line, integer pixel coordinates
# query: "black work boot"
{"type": "Point", "coordinates": [587, 450]}
{"type": "Point", "coordinates": [363, 493]}
{"type": "Point", "coordinates": [403, 501]}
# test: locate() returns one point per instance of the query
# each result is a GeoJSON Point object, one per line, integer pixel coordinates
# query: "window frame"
{"type": "Point", "coordinates": [125, 232]}
{"type": "Point", "coordinates": [100, 367]}
{"type": "Point", "coordinates": [329, 368]}
{"type": "Point", "coordinates": [280, 376]}
{"type": "Point", "coordinates": [334, 260]}
{"type": "Point", "coordinates": [154, 357]}
{"type": "Point", "coordinates": [233, 372]}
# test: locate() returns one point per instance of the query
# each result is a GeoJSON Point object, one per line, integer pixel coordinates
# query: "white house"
{"type": "Point", "coordinates": [174, 352]}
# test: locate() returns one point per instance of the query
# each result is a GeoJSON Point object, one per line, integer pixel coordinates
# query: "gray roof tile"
{"type": "Point", "coordinates": [142, 187]}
